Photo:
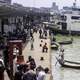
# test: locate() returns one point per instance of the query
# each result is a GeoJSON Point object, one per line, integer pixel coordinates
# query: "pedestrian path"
{"type": "Point", "coordinates": [37, 53]}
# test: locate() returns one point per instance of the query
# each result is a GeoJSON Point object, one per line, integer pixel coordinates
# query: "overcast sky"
{"type": "Point", "coordinates": [46, 3]}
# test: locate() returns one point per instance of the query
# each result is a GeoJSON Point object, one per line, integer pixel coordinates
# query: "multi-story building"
{"type": "Point", "coordinates": [54, 8]}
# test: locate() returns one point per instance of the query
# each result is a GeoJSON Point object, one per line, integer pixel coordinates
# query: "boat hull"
{"type": "Point", "coordinates": [69, 64]}
{"type": "Point", "coordinates": [64, 32]}
{"type": "Point", "coordinates": [54, 46]}
{"type": "Point", "coordinates": [65, 42]}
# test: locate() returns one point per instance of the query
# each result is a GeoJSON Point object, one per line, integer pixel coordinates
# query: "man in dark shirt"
{"type": "Point", "coordinates": [29, 75]}
{"type": "Point", "coordinates": [19, 73]}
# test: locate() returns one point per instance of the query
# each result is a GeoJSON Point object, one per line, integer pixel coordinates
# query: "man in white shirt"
{"type": "Point", "coordinates": [41, 74]}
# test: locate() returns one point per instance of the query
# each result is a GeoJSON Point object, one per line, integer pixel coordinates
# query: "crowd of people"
{"type": "Point", "coordinates": [29, 71]}
{"type": "Point", "coordinates": [43, 33]}
{"type": "Point", "coordinates": [25, 71]}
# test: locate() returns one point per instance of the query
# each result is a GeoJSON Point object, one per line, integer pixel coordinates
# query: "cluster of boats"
{"type": "Point", "coordinates": [55, 45]}
{"type": "Point", "coordinates": [69, 64]}
{"type": "Point", "coordinates": [65, 63]}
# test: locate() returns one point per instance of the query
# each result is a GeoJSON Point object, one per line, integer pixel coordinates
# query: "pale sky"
{"type": "Point", "coordinates": [45, 3]}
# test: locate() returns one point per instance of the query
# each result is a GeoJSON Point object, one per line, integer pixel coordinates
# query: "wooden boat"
{"type": "Point", "coordinates": [54, 46]}
{"type": "Point", "coordinates": [69, 64]}
{"type": "Point", "coordinates": [65, 42]}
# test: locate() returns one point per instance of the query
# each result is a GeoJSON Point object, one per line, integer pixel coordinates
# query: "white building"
{"type": "Point", "coordinates": [69, 19]}
{"type": "Point", "coordinates": [73, 21]}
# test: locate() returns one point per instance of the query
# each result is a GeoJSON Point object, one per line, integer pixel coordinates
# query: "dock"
{"type": "Point", "coordinates": [37, 54]}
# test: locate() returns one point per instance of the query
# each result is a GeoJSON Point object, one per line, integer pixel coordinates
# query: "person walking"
{"type": "Point", "coordinates": [32, 41]}
{"type": "Point", "coordinates": [40, 32]}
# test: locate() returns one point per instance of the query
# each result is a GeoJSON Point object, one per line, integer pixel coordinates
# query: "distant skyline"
{"type": "Point", "coordinates": [45, 3]}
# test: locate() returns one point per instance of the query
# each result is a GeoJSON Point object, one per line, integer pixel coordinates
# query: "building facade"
{"type": "Point", "coordinates": [54, 8]}
{"type": "Point", "coordinates": [6, 1]}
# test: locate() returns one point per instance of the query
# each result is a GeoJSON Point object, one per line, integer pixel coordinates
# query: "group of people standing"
{"type": "Point", "coordinates": [29, 71]}
{"type": "Point", "coordinates": [43, 33]}
{"type": "Point", "coordinates": [26, 71]}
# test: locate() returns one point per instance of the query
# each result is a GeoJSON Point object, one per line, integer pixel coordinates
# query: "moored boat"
{"type": "Point", "coordinates": [69, 64]}
{"type": "Point", "coordinates": [54, 46]}
{"type": "Point", "coordinates": [65, 42]}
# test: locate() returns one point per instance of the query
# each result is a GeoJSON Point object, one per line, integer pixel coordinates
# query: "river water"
{"type": "Point", "coordinates": [72, 53]}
